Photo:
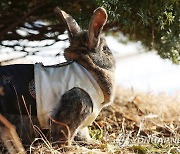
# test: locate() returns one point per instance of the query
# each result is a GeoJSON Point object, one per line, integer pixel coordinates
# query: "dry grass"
{"type": "Point", "coordinates": [135, 123]}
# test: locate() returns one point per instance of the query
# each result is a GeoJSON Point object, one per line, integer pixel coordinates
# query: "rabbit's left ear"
{"type": "Point", "coordinates": [98, 20]}
{"type": "Point", "coordinates": [71, 24]}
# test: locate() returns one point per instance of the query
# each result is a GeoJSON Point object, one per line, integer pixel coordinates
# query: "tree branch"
{"type": "Point", "coordinates": [22, 19]}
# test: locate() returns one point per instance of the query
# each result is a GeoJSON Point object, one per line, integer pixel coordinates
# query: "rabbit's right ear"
{"type": "Point", "coordinates": [98, 20]}
{"type": "Point", "coordinates": [71, 24]}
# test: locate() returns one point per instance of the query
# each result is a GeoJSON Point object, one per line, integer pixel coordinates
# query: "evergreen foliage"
{"type": "Point", "coordinates": [155, 23]}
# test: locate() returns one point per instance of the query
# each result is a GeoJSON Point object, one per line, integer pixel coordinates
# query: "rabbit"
{"type": "Point", "coordinates": [76, 108]}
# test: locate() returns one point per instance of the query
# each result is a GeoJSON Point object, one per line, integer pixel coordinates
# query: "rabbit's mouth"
{"type": "Point", "coordinates": [69, 54]}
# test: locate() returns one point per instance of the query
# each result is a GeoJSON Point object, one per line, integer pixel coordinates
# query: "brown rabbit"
{"type": "Point", "coordinates": [90, 50]}
{"type": "Point", "coordinates": [76, 106]}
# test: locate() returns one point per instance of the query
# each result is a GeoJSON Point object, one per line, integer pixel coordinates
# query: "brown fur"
{"type": "Point", "coordinates": [89, 49]}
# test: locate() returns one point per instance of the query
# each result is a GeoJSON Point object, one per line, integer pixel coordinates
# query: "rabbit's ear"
{"type": "Point", "coordinates": [98, 20]}
{"type": "Point", "coordinates": [71, 24]}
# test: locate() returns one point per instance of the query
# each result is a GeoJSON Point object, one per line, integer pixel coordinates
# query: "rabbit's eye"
{"type": "Point", "coordinates": [105, 48]}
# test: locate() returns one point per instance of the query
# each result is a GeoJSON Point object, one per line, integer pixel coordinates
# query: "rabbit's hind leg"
{"type": "Point", "coordinates": [76, 105]}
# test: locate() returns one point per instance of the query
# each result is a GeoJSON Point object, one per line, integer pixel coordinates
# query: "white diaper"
{"type": "Point", "coordinates": [51, 82]}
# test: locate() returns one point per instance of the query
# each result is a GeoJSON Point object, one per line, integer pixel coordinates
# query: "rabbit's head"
{"type": "Point", "coordinates": [88, 47]}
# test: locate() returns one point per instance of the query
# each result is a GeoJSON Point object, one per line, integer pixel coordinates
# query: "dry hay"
{"type": "Point", "coordinates": [136, 123]}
